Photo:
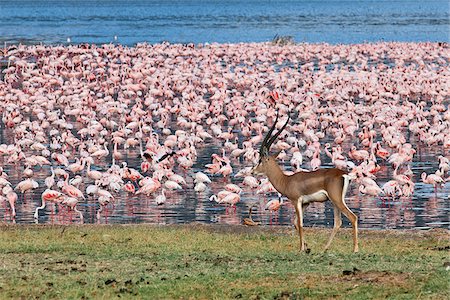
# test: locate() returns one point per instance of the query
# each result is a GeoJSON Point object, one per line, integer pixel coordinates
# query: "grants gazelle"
{"type": "Point", "coordinates": [303, 188]}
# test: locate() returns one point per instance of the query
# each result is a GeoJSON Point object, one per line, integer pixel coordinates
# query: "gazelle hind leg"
{"type": "Point", "coordinates": [353, 219]}
{"type": "Point", "coordinates": [337, 225]}
{"type": "Point", "coordinates": [338, 199]}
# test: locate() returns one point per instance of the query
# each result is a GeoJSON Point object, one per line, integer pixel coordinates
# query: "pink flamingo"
{"type": "Point", "coordinates": [161, 199]}
{"type": "Point", "coordinates": [372, 190]}
{"type": "Point", "coordinates": [432, 179]}
{"type": "Point", "coordinates": [12, 199]}
{"type": "Point", "coordinates": [71, 190]}
{"type": "Point", "coordinates": [129, 187]}
{"type": "Point", "coordinates": [231, 199]}
{"type": "Point", "coordinates": [315, 162]}
{"type": "Point", "coordinates": [48, 196]}
{"type": "Point", "coordinates": [26, 185]}
{"type": "Point", "coordinates": [71, 203]}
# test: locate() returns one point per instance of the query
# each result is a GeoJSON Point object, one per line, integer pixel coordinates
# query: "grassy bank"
{"type": "Point", "coordinates": [217, 262]}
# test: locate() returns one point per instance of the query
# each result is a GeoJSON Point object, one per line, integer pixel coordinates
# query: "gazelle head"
{"type": "Point", "coordinates": [265, 159]}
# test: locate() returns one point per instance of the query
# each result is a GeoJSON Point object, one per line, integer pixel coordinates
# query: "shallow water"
{"type": "Point", "coordinates": [424, 210]}
{"type": "Point", "coordinates": [222, 21]}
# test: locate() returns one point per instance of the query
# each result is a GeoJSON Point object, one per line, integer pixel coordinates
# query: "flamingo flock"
{"type": "Point", "coordinates": [105, 122]}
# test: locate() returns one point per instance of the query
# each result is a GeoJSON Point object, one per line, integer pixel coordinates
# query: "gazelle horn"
{"type": "Point", "coordinates": [272, 139]}
{"type": "Point", "coordinates": [264, 151]}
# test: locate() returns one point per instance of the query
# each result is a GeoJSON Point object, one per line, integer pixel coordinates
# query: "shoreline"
{"type": "Point", "coordinates": [4, 44]}
{"type": "Point", "coordinates": [229, 228]}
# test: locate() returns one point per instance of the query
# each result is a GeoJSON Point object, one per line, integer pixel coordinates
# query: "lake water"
{"type": "Point", "coordinates": [424, 210]}
{"type": "Point", "coordinates": [222, 21]}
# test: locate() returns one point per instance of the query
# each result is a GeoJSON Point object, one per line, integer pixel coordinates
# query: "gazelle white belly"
{"type": "Point", "coordinates": [318, 196]}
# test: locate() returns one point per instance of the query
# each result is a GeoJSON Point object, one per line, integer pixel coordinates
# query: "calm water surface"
{"type": "Point", "coordinates": [222, 21]}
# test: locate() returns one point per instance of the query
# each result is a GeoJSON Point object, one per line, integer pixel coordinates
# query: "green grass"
{"type": "Point", "coordinates": [218, 262]}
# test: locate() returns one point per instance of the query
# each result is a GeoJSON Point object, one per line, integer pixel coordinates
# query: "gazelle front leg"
{"type": "Point", "coordinates": [299, 223]}
{"type": "Point", "coordinates": [304, 206]}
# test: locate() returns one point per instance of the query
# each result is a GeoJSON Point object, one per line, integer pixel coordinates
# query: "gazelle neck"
{"type": "Point", "coordinates": [276, 176]}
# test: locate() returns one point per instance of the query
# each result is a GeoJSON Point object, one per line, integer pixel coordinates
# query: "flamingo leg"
{"type": "Point", "coordinates": [52, 214]}
{"type": "Point", "coordinates": [36, 213]}
{"type": "Point", "coordinates": [98, 213]}
{"type": "Point", "coordinates": [12, 213]}
{"type": "Point", "coordinates": [79, 212]}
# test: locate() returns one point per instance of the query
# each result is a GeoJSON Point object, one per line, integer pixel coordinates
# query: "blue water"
{"type": "Point", "coordinates": [198, 21]}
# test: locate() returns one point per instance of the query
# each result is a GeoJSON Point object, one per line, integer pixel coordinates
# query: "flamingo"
{"type": "Point", "coordinates": [274, 205]}
{"type": "Point", "coordinates": [250, 181]}
{"type": "Point", "coordinates": [202, 177]}
{"type": "Point", "coordinates": [161, 199]}
{"type": "Point", "coordinates": [92, 174]}
{"type": "Point", "coordinates": [233, 188]}
{"type": "Point", "coordinates": [60, 159]}
{"type": "Point", "coordinates": [219, 197]}
{"type": "Point", "coordinates": [358, 154]}
{"type": "Point", "coordinates": [48, 196]}
{"type": "Point", "coordinates": [315, 162]}
{"type": "Point", "coordinates": [92, 189]}
{"type": "Point", "coordinates": [101, 153]}
{"type": "Point", "coordinates": [200, 187]}
{"type": "Point", "coordinates": [172, 185]}
{"type": "Point", "coordinates": [103, 201]}
{"type": "Point", "coordinates": [432, 179]}
{"type": "Point", "coordinates": [149, 187]}
{"type": "Point", "coordinates": [71, 190]}
{"type": "Point", "coordinates": [372, 190]}
{"type": "Point", "coordinates": [71, 203]}
{"type": "Point", "coordinates": [231, 199]}
{"type": "Point", "coordinates": [12, 199]}
{"type": "Point", "coordinates": [77, 166]}
{"type": "Point", "coordinates": [392, 188]}
{"type": "Point", "coordinates": [129, 187]}
{"type": "Point", "coordinates": [131, 173]}
{"type": "Point", "coordinates": [296, 160]}
{"type": "Point", "coordinates": [50, 181]}
{"type": "Point", "coordinates": [381, 152]}
{"type": "Point", "coordinates": [26, 185]}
